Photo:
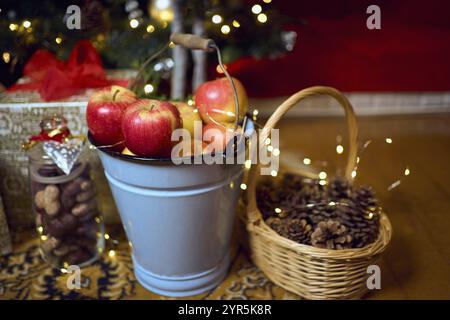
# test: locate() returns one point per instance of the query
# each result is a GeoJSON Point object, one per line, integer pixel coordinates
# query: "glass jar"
{"type": "Point", "coordinates": [69, 224]}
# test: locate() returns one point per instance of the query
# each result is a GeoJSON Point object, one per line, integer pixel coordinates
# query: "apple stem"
{"type": "Point", "coordinates": [115, 94]}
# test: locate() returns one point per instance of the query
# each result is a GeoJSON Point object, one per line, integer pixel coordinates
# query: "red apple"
{"type": "Point", "coordinates": [214, 99]}
{"type": "Point", "coordinates": [105, 112]}
{"type": "Point", "coordinates": [147, 127]}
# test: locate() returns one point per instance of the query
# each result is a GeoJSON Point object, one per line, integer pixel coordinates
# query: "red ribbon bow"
{"type": "Point", "coordinates": [55, 79]}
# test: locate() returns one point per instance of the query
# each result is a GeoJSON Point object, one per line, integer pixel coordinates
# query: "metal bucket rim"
{"type": "Point", "coordinates": [157, 161]}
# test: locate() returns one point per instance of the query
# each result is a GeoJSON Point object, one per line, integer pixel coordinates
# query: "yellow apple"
{"type": "Point", "coordinates": [189, 114]}
{"type": "Point", "coordinates": [127, 152]}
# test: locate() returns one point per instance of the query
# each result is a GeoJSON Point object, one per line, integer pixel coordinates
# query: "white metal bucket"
{"type": "Point", "coordinates": [179, 220]}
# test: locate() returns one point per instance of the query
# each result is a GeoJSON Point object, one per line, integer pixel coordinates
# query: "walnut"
{"type": "Point", "coordinates": [86, 185]}
{"type": "Point", "coordinates": [86, 195]}
{"type": "Point", "coordinates": [52, 208]}
{"type": "Point", "coordinates": [48, 199]}
{"type": "Point", "coordinates": [84, 208]}
{"type": "Point", "coordinates": [39, 199]}
{"type": "Point", "coordinates": [51, 193]}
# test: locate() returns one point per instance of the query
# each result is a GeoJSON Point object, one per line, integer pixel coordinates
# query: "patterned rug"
{"type": "Point", "coordinates": [25, 275]}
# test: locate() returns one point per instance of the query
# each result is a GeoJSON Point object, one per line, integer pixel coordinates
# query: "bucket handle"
{"type": "Point", "coordinates": [193, 42]}
{"type": "Point", "coordinates": [252, 210]}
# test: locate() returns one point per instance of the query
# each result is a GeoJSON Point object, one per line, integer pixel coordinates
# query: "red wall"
{"type": "Point", "coordinates": [411, 52]}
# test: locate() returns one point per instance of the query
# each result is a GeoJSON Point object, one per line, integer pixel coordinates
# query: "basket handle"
{"type": "Point", "coordinates": [253, 213]}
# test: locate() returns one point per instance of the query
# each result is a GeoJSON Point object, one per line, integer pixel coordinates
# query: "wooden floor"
{"type": "Point", "coordinates": [417, 263]}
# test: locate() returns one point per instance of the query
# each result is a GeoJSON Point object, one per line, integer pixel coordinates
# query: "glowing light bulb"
{"type": "Point", "coordinates": [273, 173]}
{"type": "Point", "coordinates": [191, 103]}
{"type": "Point", "coordinates": [134, 23]}
{"type": "Point", "coordinates": [388, 140]}
{"type": "Point", "coordinates": [256, 9]}
{"type": "Point", "coordinates": [339, 149]}
{"type": "Point", "coordinates": [111, 253]}
{"type": "Point", "coordinates": [262, 17]}
{"type": "Point", "coordinates": [216, 19]}
{"type": "Point", "coordinates": [148, 88]}
{"type": "Point", "coordinates": [150, 28]}
{"type": "Point", "coordinates": [255, 112]}
{"type": "Point", "coordinates": [354, 173]}
{"type": "Point", "coordinates": [277, 210]}
{"type": "Point", "coordinates": [270, 148]}
{"type": "Point", "coordinates": [267, 141]}
{"type": "Point", "coordinates": [26, 24]}
{"type": "Point", "coordinates": [276, 152]}
{"type": "Point", "coordinates": [106, 236]}
{"type": "Point", "coordinates": [306, 161]}
{"type": "Point", "coordinates": [322, 175]}
{"type": "Point", "coordinates": [225, 29]}
{"type": "Point", "coordinates": [58, 40]}
{"type": "Point", "coordinates": [236, 24]}
{"type": "Point", "coordinates": [13, 27]}
{"type": "Point", "coordinates": [248, 164]}
{"type": "Point", "coordinates": [267, 1]}
{"type": "Point", "coordinates": [243, 186]}
{"type": "Point", "coordinates": [6, 56]}
{"type": "Point", "coordinates": [407, 172]}
{"type": "Point", "coordinates": [219, 68]}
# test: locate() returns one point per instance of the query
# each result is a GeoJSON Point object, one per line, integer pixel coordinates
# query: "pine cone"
{"type": "Point", "coordinates": [331, 234]}
{"type": "Point", "coordinates": [338, 188]}
{"type": "Point", "coordinates": [321, 212]}
{"type": "Point", "coordinates": [266, 199]}
{"type": "Point", "coordinates": [299, 230]}
{"type": "Point", "coordinates": [365, 198]}
{"type": "Point", "coordinates": [311, 193]}
{"type": "Point", "coordinates": [278, 225]}
{"type": "Point", "coordinates": [355, 208]}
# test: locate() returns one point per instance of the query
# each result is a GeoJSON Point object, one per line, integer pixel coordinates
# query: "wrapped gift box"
{"type": "Point", "coordinates": [20, 114]}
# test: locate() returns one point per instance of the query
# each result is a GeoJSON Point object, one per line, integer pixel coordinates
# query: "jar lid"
{"type": "Point", "coordinates": [37, 155]}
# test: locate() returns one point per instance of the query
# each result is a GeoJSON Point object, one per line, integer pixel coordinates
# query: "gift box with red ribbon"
{"type": "Point", "coordinates": [49, 86]}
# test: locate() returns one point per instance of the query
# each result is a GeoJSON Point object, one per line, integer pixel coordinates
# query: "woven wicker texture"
{"type": "Point", "coordinates": [313, 273]}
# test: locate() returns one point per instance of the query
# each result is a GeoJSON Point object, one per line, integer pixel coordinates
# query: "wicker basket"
{"type": "Point", "coordinates": [311, 272]}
